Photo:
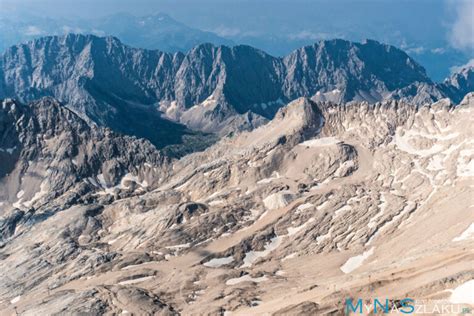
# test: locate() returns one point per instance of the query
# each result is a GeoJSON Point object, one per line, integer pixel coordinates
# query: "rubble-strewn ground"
{"type": "Point", "coordinates": [321, 204]}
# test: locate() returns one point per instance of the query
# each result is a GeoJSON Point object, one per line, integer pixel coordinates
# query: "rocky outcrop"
{"type": "Point", "coordinates": [459, 84]}
{"type": "Point", "coordinates": [47, 151]}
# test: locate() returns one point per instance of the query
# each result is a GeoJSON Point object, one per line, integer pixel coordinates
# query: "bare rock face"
{"type": "Point", "coordinates": [459, 84]}
{"type": "Point", "coordinates": [48, 151]}
{"type": "Point", "coordinates": [100, 79]}
{"type": "Point", "coordinates": [215, 89]}
{"type": "Point", "coordinates": [322, 203]}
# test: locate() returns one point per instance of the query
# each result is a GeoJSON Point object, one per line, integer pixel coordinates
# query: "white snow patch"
{"type": "Point", "coordinates": [245, 278]}
{"type": "Point", "coordinates": [102, 181]}
{"type": "Point", "coordinates": [172, 108]}
{"type": "Point", "coordinates": [133, 281]}
{"type": "Point", "coordinates": [278, 200]}
{"type": "Point", "coordinates": [130, 177]}
{"type": "Point", "coordinates": [410, 205]}
{"type": "Point", "coordinates": [344, 168]}
{"type": "Point", "coordinates": [210, 101]}
{"type": "Point", "coordinates": [252, 216]}
{"type": "Point", "coordinates": [294, 230]}
{"type": "Point", "coordinates": [92, 181]}
{"type": "Point", "coordinates": [344, 209]}
{"type": "Point", "coordinates": [290, 256]}
{"type": "Point", "coordinates": [304, 207]}
{"type": "Point", "coordinates": [323, 205]}
{"type": "Point", "coordinates": [122, 185]}
{"type": "Point", "coordinates": [187, 245]}
{"type": "Point", "coordinates": [112, 241]}
{"type": "Point", "coordinates": [467, 234]}
{"type": "Point", "coordinates": [253, 164]}
{"type": "Point", "coordinates": [252, 256]}
{"type": "Point", "coordinates": [16, 299]}
{"type": "Point", "coordinates": [215, 194]}
{"type": "Point", "coordinates": [133, 266]}
{"type": "Point", "coordinates": [274, 176]}
{"type": "Point", "coordinates": [8, 150]}
{"type": "Point", "coordinates": [322, 238]}
{"type": "Point", "coordinates": [436, 163]}
{"type": "Point", "coordinates": [217, 262]}
{"type": "Point", "coordinates": [463, 294]}
{"type": "Point", "coordinates": [324, 141]}
{"type": "Point", "coordinates": [403, 144]}
{"type": "Point", "coordinates": [18, 204]}
{"type": "Point", "coordinates": [356, 261]}
{"type": "Point", "coordinates": [382, 206]}
{"type": "Point", "coordinates": [263, 215]}
{"type": "Point", "coordinates": [38, 195]}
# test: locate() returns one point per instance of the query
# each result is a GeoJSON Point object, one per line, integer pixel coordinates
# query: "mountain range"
{"type": "Point", "coordinates": [275, 34]}
{"type": "Point", "coordinates": [217, 89]}
{"type": "Point", "coordinates": [154, 31]}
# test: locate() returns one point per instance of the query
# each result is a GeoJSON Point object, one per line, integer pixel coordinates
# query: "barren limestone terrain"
{"type": "Point", "coordinates": [323, 203]}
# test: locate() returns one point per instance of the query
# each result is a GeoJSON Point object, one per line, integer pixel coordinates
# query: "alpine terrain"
{"type": "Point", "coordinates": [216, 89]}
{"type": "Point", "coordinates": [225, 181]}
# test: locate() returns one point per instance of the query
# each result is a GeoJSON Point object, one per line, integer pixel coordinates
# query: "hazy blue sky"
{"type": "Point", "coordinates": [427, 28]}
{"type": "Point", "coordinates": [429, 21]}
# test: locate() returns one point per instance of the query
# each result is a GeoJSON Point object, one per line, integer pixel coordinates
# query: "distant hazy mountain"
{"type": "Point", "coordinates": [156, 31]}
{"type": "Point", "coordinates": [15, 30]}
{"type": "Point", "coordinates": [211, 88]}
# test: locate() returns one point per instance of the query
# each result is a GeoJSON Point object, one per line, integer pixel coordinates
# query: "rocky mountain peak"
{"type": "Point", "coordinates": [302, 112]}
{"type": "Point", "coordinates": [356, 71]}
{"type": "Point", "coordinates": [209, 88]}
{"type": "Point", "coordinates": [459, 84]}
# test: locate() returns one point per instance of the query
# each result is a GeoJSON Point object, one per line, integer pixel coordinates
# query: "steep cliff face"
{"type": "Point", "coordinates": [459, 84]}
{"type": "Point", "coordinates": [367, 71]}
{"type": "Point", "coordinates": [101, 80]}
{"type": "Point", "coordinates": [47, 151]}
{"type": "Point", "coordinates": [128, 89]}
